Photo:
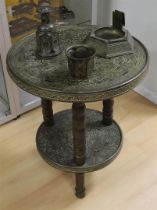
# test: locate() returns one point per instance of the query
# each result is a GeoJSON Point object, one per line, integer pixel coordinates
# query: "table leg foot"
{"type": "Point", "coordinates": [80, 186]}
{"type": "Point", "coordinates": [108, 112]}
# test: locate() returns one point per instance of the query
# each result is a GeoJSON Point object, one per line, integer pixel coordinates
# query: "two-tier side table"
{"type": "Point", "coordinates": [76, 140]}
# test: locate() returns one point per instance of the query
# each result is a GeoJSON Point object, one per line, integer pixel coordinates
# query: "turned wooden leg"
{"type": "Point", "coordinates": [47, 111]}
{"type": "Point", "coordinates": [78, 128]}
{"type": "Point", "coordinates": [108, 112]}
{"type": "Point", "coordinates": [80, 185]}
{"type": "Point", "coordinates": [79, 132]}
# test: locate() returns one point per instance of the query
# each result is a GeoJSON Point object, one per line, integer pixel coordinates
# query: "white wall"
{"type": "Point", "coordinates": [103, 14]}
{"type": "Point", "coordinates": [82, 9]}
{"type": "Point", "coordinates": [141, 20]}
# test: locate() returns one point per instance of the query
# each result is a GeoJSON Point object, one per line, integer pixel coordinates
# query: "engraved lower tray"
{"type": "Point", "coordinates": [55, 145]}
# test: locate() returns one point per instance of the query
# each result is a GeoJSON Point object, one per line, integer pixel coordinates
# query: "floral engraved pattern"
{"type": "Point", "coordinates": [55, 143]}
{"type": "Point", "coordinates": [51, 78]}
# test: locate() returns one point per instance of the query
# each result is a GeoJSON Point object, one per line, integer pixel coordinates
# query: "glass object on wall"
{"type": "Point", "coordinates": [23, 17]}
{"type": "Point", "coordinates": [4, 101]}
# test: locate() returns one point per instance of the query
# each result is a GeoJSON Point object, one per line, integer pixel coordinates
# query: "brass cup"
{"type": "Point", "coordinates": [80, 60]}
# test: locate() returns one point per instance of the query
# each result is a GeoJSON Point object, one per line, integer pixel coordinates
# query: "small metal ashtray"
{"type": "Point", "coordinates": [80, 60]}
{"type": "Point", "coordinates": [116, 40]}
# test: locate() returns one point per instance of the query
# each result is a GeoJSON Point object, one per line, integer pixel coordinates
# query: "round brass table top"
{"type": "Point", "coordinates": [51, 78]}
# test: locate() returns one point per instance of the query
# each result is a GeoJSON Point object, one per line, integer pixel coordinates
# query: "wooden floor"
{"type": "Point", "coordinates": [130, 182]}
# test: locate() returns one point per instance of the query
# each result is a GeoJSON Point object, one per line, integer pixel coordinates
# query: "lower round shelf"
{"type": "Point", "coordinates": [55, 143]}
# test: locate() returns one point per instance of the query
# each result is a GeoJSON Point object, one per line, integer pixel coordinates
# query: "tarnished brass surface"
{"type": "Point", "coordinates": [51, 78]}
{"type": "Point", "coordinates": [55, 143]}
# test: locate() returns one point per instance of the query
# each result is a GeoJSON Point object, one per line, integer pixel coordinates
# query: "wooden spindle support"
{"type": "Point", "coordinates": [108, 112]}
{"type": "Point", "coordinates": [79, 143]}
{"type": "Point", "coordinates": [79, 132]}
{"type": "Point", "coordinates": [47, 112]}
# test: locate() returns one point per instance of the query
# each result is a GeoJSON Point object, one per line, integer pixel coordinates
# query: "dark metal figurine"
{"type": "Point", "coordinates": [47, 37]}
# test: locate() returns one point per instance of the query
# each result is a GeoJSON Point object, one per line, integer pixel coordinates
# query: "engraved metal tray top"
{"type": "Point", "coordinates": [51, 78]}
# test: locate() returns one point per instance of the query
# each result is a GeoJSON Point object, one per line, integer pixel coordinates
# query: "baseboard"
{"type": "Point", "coordinates": [151, 96]}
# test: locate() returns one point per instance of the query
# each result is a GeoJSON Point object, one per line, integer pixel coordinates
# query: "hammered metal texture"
{"type": "Point", "coordinates": [55, 144]}
{"type": "Point", "coordinates": [51, 78]}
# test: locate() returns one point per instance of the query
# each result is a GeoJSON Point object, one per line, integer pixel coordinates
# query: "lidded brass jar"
{"type": "Point", "coordinates": [47, 37]}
